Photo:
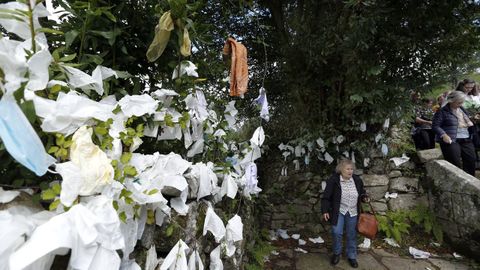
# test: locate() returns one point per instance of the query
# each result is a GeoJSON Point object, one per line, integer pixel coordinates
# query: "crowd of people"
{"type": "Point", "coordinates": [452, 123]}
{"type": "Point", "coordinates": [447, 123]}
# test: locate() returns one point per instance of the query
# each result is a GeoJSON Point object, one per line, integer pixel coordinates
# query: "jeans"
{"type": "Point", "coordinates": [351, 231]}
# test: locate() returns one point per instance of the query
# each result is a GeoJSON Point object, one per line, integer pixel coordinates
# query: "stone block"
{"type": "Point", "coordinates": [358, 172]}
{"type": "Point", "coordinates": [281, 216]}
{"type": "Point", "coordinates": [371, 180]}
{"type": "Point", "coordinates": [376, 193]}
{"type": "Point", "coordinates": [428, 155]}
{"type": "Point", "coordinates": [442, 204]}
{"type": "Point", "coordinates": [379, 206]}
{"type": "Point", "coordinates": [377, 166]}
{"type": "Point", "coordinates": [409, 165]}
{"type": "Point", "coordinates": [444, 264]}
{"type": "Point", "coordinates": [302, 209]}
{"type": "Point", "coordinates": [394, 174]}
{"type": "Point", "coordinates": [406, 201]}
{"type": "Point", "coordinates": [447, 176]}
{"type": "Point", "coordinates": [403, 263]}
{"type": "Point", "coordinates": [404, 184]}
{"type": "Point", "coordinates": [450, 228]}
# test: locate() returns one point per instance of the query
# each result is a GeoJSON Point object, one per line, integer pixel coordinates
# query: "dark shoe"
{"type": "Point", "coordinates": [353, 263]}
{"type": "Point", "coordinates": [335, 259]}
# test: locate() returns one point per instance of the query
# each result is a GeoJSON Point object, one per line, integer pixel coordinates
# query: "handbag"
{"type": "Point", "coordinates": [367, 223]}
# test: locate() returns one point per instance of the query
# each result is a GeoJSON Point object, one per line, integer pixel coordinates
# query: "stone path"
{"type": "Point", "coordinates": [373, 259]}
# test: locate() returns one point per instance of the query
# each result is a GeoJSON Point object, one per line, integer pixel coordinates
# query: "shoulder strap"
{"type": "Point", "coordinates": [371, 208]}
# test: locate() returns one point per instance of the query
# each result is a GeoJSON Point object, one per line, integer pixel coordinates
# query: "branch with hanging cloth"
{"type": "Point", "coordinates": [238, 67]}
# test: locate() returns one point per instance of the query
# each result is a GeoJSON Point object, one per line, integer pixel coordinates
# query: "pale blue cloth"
{"type": "Point", "coordinates": [20, 139]}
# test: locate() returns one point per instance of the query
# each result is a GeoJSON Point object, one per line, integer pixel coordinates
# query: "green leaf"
{"type": "Point", "coordinates": [169, 231]}
{"type": "Point", "coordinates": [60, 140]}
{"type": "Point", "coordinates": [131, 132]}
{"type": "Point", "coordinates": [48, 194]}
{"type": "Point", "coordinates": [169, 120]}
{"type": "Point", "coordinates": [397, 235]}
{"type": "Point", "coordinates": [53, 149]}
{"type": "Point", "coordinates": [128, 200]}
{"type": "Point", "coordinates": [115, 205]}
{"type": "Point", "coordinates": [44, 185]}
{"type": "Point", "coordinates": [48, 30]}
{"type": "Point", "coordinates": [125, 158]}
{"type": "Point", "coordinates": [54, 205]}
{"type": "Point", "coordinates": [101, 130]}
{"type": "Point", "coordinates": [28, 109]}
{"type": "Point", "coordinates": [97, 59]}
{"type": "Point", "coordinates": [110, 15]}
{"type": "Point", "coordinates": [55, 89]}
{"type": "Point", "coordinates": [56, 188]}
{"type": "Point", "coordinates": [123, 217]}
{"type": "Point", "coordinates": [70, 36]}
{"type": "Point", "coordinates": [125, 193]}
{"type": "Point", "coordinates": [117, 109]}
{"type": "Point", "coordinates": [356, 98]}
{"type": "Point", "coordinates": [153, 191]}
{"type": "Point", "coordinates": [18, 183]}
{"type": "Point", "coordinates": [68, 57]}
{"type": "Point", "coordinates": [129, 171]}
{"type": "Point", "coordinates": [438, 233]}
{"type": "Point", "coordinates": [109, 35]}
{"type": "Point", "coordinates": [375, 70]}
{"type": "Point", "coordinates": [11, 17]}
{"type": "Point", "coordinates": [67, 144]}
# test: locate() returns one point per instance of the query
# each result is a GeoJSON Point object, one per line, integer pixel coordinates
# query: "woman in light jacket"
{"type": "Point", "coordinates": [341, 206]}
{"type": "Point", "coordinates": [454, 132]}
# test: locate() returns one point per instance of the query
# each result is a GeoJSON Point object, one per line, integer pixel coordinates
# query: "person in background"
{"type": "Point", "coordinates": [422, 134]}
{"type": "Point", "coordinates": [466, 86]}
{"type": "Point", "coordinates": [341, 206]}
{"type": "Point", "coordinates": [454, 131]}
{"type": "Point", "coordinates": [474, 95]}
{"type": "Point", "coordinates": [441, 101]}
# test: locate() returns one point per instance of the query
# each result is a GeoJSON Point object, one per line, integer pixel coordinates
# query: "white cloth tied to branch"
{"type": "Point", "coordinates": [91, 230]}
{"type": "Point", "coordinates": [214, 224]}
{"type": "Point", "coordinates": [186, 67]}
{"type": "Point", "coordinates": [229, 186]}
{"type": "Point", "coordinates": [88, 171]}
{"type": "Point", "coordinates": [262, 101]}
{"type": "Point", "coordinates": [138, 105]}
{"type": "Point", "coordinates": [215, 260]}
{"type": "Point", "coordinates": [258, 137]}
{"type": "Point", "coordinates": [176, 258]}
{"type": "Point", "coordinates": [69, 112]}
{"type": "Point", "coordinates": [195, 261]}
{"type": "Point", "coordinates": [81, 80]}
{"type": "Point", "coordinates": [18, 223]}
{"type": "Point", "coordinates": [197, 104]}
{"type": "Point", "coordinates": [207, 179]}
{"type": "Point", "coordinates": [234, 233]}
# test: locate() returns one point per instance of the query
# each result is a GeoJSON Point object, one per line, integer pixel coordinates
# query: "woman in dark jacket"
{"type": "Point", "coordinates": [341, 206]}
{"type": "Point", "coordinates": [454, 132]}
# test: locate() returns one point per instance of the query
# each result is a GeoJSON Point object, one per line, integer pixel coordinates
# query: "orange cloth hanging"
{"type": "Point", "coordinates": [239, 66]}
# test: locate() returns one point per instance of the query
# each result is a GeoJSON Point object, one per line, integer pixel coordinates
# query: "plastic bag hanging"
{"type": "Point", "coordinates": [20, 139]}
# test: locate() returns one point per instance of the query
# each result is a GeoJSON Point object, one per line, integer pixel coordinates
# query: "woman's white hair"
{"type": "Point", "coordinates": [342, 164]}
{"type": "Point", "coordinates": [456, 96]}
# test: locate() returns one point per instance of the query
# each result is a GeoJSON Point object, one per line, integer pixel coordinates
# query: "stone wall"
{"type": "Point", "coordinates": [295, 199]}
{"type": "Point", "coordinates": [456, 201]}
{"type": "Point", "coordinates": [454, 196]}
